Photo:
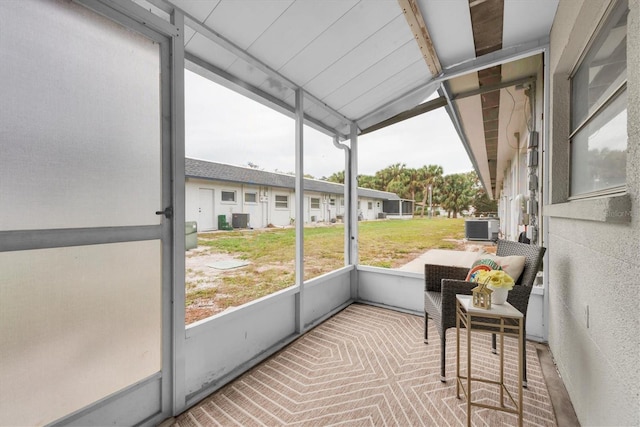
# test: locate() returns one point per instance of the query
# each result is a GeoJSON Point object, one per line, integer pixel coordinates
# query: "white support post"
{"type": "Point", "coordinates": [177, 396]}
{"type": "Point", "coordinates": [299, 209]}
{"type": "Point", "coordinates": [352, 218]}
{"type": "Point", "coordinates": [353, 185]}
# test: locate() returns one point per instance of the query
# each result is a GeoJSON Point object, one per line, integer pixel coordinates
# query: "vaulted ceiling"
{"type": "Point", "coordinates": [371, 62]}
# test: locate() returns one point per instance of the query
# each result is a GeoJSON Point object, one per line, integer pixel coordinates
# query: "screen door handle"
{"type": "Point", "coordinates": [168, 212]}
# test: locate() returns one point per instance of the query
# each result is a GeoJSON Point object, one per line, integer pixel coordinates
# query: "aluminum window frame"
{"type": "Point", "coordinates": [230, 202]}
{"type": "Point", "coordinates": [280, 202]}
{"type": "Point", "coordinates": [251, 193]}
{"type": "Point", "coordinates": [616, 12]}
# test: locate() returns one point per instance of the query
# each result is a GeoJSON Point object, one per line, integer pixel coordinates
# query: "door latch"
{"type": "Point", "coordinates": [168, 212]}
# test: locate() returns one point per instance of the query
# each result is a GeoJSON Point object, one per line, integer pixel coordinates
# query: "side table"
{"type": "Point", "coordinates": [508, 321]}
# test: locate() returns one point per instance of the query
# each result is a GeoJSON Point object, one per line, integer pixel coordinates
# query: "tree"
{"type": "Point", "coordinates": [337, 177]}
{"type": "Point", "coordinates": [456, 193]}
{"type": "Point", "coordinates": [429, 177]}
{"type": "Point", "coordinates": [481, 202]}
{"type": "Point", "coordinates": [367, 181]}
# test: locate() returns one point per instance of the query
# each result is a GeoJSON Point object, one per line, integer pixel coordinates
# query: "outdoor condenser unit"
{"type": "Point", "coordinates": [481, 229]}
{"type": "Point", "coordinates": [240, 220]}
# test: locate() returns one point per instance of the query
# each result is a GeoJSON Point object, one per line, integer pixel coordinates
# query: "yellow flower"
{"type": "Point", "coordinates": [495, 278]}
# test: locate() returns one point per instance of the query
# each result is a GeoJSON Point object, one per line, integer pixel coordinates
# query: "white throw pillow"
{"type": "Point", "coordinates": [512, 265]}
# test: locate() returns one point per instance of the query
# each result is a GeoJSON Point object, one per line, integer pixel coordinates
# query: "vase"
{"type": "Point", "coordinates": [499, 295]}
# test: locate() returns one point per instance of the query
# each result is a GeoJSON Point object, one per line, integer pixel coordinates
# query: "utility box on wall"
{"type": "Point", "coordinates": [240, 220]}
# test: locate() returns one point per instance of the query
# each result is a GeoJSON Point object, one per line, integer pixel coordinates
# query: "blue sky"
{"type": "Point", "coordinates": [226, 127]}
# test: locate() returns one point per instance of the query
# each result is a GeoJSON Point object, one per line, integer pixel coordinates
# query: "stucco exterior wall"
{"type": "Point", "coordinates": [264, 211]}
{"type": "Point", "coordinates": [594, 265]}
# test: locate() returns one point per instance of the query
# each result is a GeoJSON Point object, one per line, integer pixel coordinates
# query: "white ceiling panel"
{"type": "Point", "coordinates": [348, 32]}
{"type": "Point", "coordinates": [243, 21]}
{"type": "Point", "coordinates": [360, 58]}
{"type": "Point", "coordinates": [375, 49]}
{"type": "Point", "coordinates": [527, 20]}
{"type": "Point", "coordinates": [199, 9]}
{"type": "Point", "coordinates": [255, 77]}
{"type": "Point", "coordinates": [298, 26]}
{"type": "Point", "coordinates": [407, 79]}
{"type": "Point", "coordinates": [387, 68]}
{"type": "Point", "coordinates": [204, 48]}
{"type": "Point", "coordinates": [449, 24]}
{"type": "Point", "coordinates": [188, 34]}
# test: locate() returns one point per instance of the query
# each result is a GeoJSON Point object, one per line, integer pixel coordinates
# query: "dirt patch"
{"type": "Point", "coordinates": [202, 281]}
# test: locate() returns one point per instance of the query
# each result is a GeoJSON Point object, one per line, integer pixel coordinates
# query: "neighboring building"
{"type": "Point", "coordinates": [267, 198]}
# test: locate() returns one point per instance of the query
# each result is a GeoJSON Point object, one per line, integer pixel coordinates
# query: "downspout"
{"type": "Point", "coordinates": [346, 192]}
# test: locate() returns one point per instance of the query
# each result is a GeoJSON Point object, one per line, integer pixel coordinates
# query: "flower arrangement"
{"type": "Point", "coordinates": [495, 279]}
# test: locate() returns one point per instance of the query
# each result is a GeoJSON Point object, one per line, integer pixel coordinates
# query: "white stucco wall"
{"type": "Point", "coordinates": [594, 265]}
{"type": "Point", "coordinates": [257, 211]}
{"type": "Point", "coordinates": [264, 211]}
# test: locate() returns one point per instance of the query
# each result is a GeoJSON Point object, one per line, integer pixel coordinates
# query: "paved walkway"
{"type": "Point", "coordinates": [441, 257]}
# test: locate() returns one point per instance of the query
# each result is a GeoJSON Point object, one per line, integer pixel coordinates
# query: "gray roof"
{"type": "Point", "coordinates": [222, 172]}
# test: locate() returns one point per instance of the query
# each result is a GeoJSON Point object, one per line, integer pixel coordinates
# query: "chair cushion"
{"type": "Point", "coordinates": [512, 265]}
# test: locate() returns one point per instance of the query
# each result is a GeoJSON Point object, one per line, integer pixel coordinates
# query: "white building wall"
{"type": "Point", "coordinates": [594, 244]}
{"type": "Point", "coordinates": [281, 216]}
{"type": "Point", "coordinates": [266, 210]}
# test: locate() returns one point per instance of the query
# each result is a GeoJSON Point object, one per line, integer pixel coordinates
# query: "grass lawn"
{"type": "Point", "coordinates": [271, 254]}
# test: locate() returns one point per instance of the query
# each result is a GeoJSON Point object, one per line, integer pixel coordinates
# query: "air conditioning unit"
{"type": "Point", "coordinates": [481, 228]}
{"type": "Point", "coordinates": [240, 220]}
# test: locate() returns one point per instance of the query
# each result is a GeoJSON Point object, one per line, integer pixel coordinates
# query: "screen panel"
{"type": "Point", "coordinates": [80, 120]}
{"type": "Point", "coordinates": [76, 325]}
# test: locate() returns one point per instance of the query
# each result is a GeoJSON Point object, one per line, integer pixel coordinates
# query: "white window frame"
{"type": "Point", "coordinates": [370, 206]}
{"type": "Point", "coordinates": [251, 193]}
{"type": "Point", "coordinates": [314, 203]}
{"type": "Point", "coordinates": [602, 106]}
{"type": "Point", "coordinates": [230, 202]}
{"type": "Point", "coordinates": [280, 202]}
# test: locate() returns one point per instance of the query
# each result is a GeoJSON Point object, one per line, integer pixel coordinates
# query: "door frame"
{"type": "Point", "coordinates": [168, 384]}
{"type": "Point", "coordinates": [213, 208]}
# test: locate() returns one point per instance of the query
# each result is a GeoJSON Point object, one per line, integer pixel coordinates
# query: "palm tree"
{"type": "Point", "coordinates": [456, 193]}
{"type": "Point", "coordinates": [367, 181]}
{"type": "Point", "coordinates": [337, 177]}
{"type": "Point", "coordinates": [429, 177]}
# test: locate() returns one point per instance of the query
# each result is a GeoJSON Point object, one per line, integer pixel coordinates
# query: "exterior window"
{"type": "Point", "coordinates": [341, 202]}
{"type": "Point", "coordinates": [599, 111]}
{"type": "Point", "coordinates": [315, 203]}
{"type": "Point", "coordinates": [282, 202]}
{"type": "Point", "coordinates": [332, 202]}
{"type": "Point", "coordinates": [250, 198]}
{"type": "Point", "coordinates": [228, 196]}
{"type": "Point", "coordinates": [369, 205]}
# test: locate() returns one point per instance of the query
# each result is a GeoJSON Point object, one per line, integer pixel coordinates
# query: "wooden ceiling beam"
{"type": "Point", "coordinates": [419, 29]}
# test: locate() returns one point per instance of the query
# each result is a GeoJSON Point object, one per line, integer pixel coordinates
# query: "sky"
{"type": "Point", "coordinates": [224, 126]}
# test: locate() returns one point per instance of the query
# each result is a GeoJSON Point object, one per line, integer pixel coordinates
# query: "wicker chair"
{"type": "Point", "coordinates": [442, 283]}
